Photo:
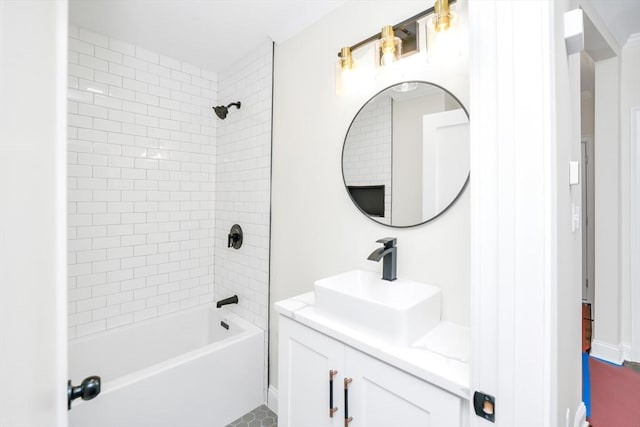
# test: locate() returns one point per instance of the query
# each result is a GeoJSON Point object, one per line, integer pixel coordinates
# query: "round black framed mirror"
{"type": "Point", "coordinates": [405, 158]}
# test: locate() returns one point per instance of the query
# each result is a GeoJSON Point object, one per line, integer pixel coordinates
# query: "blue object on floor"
{"type": "Point", "coordinates": [586, 383]}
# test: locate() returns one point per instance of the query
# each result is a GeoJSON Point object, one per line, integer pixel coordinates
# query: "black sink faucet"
{"type": "Point", "coordinates": [390, 254]}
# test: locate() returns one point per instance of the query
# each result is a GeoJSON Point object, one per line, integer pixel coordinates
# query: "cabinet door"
{"type": "Point", "coordinates": [382, 396]}
{"type": "Point", "coordinates": [306, 358]}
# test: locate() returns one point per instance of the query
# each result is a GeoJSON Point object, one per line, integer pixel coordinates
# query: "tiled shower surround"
{"type": "Point", "coordinates": [243, 187]}
{"type": "Point", "coordinates": [142, 172]}
{"type": "Point", "coordinates": [243, 176]}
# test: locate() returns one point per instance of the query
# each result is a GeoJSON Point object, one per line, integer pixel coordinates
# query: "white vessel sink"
{"type": "Point", "coordinates": [399, 312]}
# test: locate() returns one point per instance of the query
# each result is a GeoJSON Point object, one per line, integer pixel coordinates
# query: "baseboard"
{"type": "Point", "coordinates": [272, 399]}
{"type": "Point", "coordinates": [608, 352]}
{"type": "Point", "coordinates": [580, 420]}
{"type": "Point", "coordinates": [626, 352]}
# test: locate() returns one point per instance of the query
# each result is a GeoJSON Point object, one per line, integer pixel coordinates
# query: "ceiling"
{"type": "Point", "coordinates": [622, 17]}
{"type": "Point", "coordinates": [212, 34]}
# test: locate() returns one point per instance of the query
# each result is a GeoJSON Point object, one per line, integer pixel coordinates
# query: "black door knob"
{"type": "Point", "coordinates": [89, 389]}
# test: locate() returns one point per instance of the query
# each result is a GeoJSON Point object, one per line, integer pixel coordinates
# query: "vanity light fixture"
{"type": "Point", "coordinates": [346, 72]}
{"type": "Point", "coordinates": [389, 46]}
{"type": "Point", "coordinates": [403, 24]}
{"type": "Point", "coordinates": [443, 15]}
{"type": "Point", "coordinates": [443, 44]}
{"type": "Point", "coordinates": [345, 59]}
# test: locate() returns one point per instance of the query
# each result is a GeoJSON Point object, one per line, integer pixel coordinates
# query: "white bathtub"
{"type": "Point", "coordinates": [176, 371]}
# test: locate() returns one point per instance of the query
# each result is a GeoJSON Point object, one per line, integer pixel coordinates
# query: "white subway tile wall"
{"type": "Point", "coordinates": [367, 156]}
{"type": "Point", "coordinates": [141, 176]}
{"type": "Point", "coordinates": [243, 178]}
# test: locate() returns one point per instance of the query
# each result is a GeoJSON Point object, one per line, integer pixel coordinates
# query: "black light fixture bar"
{"type": "Point", "coordinates": [376, 36]}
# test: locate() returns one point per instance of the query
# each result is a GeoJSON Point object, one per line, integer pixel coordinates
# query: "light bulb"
{"type": "Point", "coordinates": [390, 46]}
{"type": "Point", "coordinates": [347, 74]}
{"type": "Point", "coordinates": [348, 78]}
{"type": "Point", "coordinates": [387, 58]}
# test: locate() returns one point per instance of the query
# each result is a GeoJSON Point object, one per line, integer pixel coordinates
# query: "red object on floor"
{"type": "Point", "coordinates": [614, 395]}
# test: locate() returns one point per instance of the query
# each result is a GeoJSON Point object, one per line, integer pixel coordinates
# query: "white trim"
{"type": "Point", "coordinates": [606, 351]}
{"type": "Point", "coordinates": [574, 31]}
{"type": "Point", "coordinates": [62, 41]}
{"type": "Point", "coordinates": [272, 399]}
{"type": "Point", "coordinates": [626, 351]}
{"type": "Point", "coordinates": [634, 191]}
{"type": "Point", "coordinates": [634, 231]}
{"type": "Point", "coordinates": [580, 419]}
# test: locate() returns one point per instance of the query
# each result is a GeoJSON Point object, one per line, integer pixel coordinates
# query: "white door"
{"type": "Point", "coordinates": [445, 154]}
{"type": "Point", "coordinates": [33, 362]}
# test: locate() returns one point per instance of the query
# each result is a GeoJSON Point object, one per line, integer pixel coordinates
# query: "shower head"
{"type": "Point", "coordinates": [222, 111]}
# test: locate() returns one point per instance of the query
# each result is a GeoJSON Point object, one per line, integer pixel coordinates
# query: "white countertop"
{"type": "Point", "coordinates": [441, 357]}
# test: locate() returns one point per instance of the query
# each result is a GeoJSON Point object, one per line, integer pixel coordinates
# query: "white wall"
{"type": "Point", "coordinates": [33, 372]}
{"type": "Point", "coordinates": [141, 174]}
{"type": "Point", "coordinates": [587, 126]}
{"type": "Point", "coordinates": [316, 230]}
{"type": "Point", "coordinates": [587, 108]}
{"type": "Point", "coordinates": [566, 303]}
{"type": "Point", "coordinates": [630, 98]}
{"type": "Point", "coordinates": [607, 334]}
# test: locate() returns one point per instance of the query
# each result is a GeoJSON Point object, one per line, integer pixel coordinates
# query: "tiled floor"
{"type": "Point", "coordinates": [259, 417]}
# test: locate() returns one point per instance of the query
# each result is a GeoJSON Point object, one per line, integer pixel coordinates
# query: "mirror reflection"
{"type": "Point", "coordinates": [405, 158]}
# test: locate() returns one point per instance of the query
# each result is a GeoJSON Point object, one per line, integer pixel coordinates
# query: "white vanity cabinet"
{"type": "Point", "coordinates": [379, 395]}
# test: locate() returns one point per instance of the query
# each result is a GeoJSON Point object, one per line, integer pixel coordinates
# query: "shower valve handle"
{"type": "Point", "coordinates": [89, 389]}
{"type": "Point", "coordinates": [235, 237]}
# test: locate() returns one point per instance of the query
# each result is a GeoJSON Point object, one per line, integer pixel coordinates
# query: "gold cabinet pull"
{"type": "Point", "coordinates": [332, 409]}
{"type": "Point", "coordinates": [347, 418]}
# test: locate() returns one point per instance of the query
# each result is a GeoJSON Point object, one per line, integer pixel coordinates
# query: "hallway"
{"type": "Point", "coordinates": [614, 395]}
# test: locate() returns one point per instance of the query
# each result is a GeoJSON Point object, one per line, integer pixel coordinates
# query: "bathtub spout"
{"type": "Point", "coordinates": [230, 300]}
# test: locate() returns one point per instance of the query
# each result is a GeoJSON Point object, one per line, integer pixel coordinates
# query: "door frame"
{"type": "Point", "coordinates": [635, 233]}
{"type": "Point", "coordinates": [514, 226]}
{"type": "Point", "coordinates": [586, 162]}
{"type": "Point", "coordinates": [33, 292]}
